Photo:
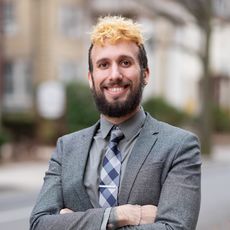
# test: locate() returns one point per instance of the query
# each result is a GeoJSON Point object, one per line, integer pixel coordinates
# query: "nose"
{"type": "Point", "coordinates": [115, 73]}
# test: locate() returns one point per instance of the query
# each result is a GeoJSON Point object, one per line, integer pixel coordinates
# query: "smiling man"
{"type": "Point", "coordinates": [117, 79]}
{"type": "Point", "coordinates": [128, 171]}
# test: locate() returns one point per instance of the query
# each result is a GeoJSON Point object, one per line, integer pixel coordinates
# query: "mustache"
{"type": "Point", "coordinates": [120, 83]}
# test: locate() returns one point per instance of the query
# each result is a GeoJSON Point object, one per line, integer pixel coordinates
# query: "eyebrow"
{"type": "Point", "coordinates": [120, 57]}
{"type": "Point", "coordinates": [102, 59]}
{"type": "Point", "coordinates": [126, 57]}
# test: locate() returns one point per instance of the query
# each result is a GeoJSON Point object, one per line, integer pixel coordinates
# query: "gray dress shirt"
{"type": "Point", "coordinates": [131, 129]}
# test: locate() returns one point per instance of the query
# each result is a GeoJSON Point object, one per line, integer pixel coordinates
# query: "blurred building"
{"type": "Point", "coordinates": [42, 41]}
{"type": "Point", "coordinates": [48, 40]}
{"type": "Point", "coordinates": [16, 54]}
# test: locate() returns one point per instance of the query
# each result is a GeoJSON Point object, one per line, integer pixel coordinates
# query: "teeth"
{"type": "Point", "coordinates": [116, 89]}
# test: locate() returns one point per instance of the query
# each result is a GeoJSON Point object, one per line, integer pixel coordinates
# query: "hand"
{"type": "Point", "coordinates": [66, 210]}
{"type": "Point", "coordinates": [135, 214]}
{"type": "Point", "coordinates": [128, 215]}
{"type": "Point", "coordinates": [148, 214]}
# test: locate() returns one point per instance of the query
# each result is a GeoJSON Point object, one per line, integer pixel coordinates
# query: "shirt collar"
{"type": "Point", "coordinates": [129, 127]}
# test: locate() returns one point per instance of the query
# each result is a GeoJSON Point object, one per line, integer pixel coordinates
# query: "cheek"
{"type": "Point", "coordinates": [133, 76]}
{"type": "Point", "coordinates": [96, 82]}
{"type": "Point", "coordinates": [100, 77]}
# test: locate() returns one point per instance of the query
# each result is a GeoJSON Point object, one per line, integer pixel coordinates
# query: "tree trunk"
{"type": "Point", "coordinates": [1, 62]}
{"type": "Point", "coordinates": [1, 69]}
{"type": "Point", "coordinates": [206, 126]}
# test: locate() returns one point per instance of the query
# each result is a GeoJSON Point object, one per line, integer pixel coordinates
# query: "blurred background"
{"type": "Point", "coordinates": [44, 91]}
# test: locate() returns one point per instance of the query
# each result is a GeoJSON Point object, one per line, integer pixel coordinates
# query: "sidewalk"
{"type": "Point", "coordinates": [221, 153]}
{"type": "Point", "coordinates": [25, 175]}
{"type": "Point", "coordinates": [22, 176]}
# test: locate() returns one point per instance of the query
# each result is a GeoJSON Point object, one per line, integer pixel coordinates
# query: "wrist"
{"type": "Point", "coordinates": [117, 219]}
{"type": "Point", "coordinates": [140, 216]}
{"type": "Point", "coordinates": [128, 215]}
{"type": "Point", "coordinates": [120, 217]}
{"type": "Point", "coordinates": [124, 215]}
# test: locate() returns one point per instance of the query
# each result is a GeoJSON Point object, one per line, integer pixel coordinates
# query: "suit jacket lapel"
{"type": "Point", "coordinates": [81, 156]}
{"type": "Point", "coordinates": [141, 149]}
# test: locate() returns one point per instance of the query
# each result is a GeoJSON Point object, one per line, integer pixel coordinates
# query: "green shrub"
{"type": "Point", "coordinates": [81, 111]}
{"type": "Point", "coordinates": [19, 125]}
{"type": "Point", "coordinates": [163, 111]}
{"type": "Point", "coordinates": [4, 137]}
{"type": "Point", "coordinates": [221, 120]}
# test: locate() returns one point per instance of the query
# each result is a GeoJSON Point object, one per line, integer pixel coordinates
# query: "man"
{"type": "Point", "coordinates": [128, 171]}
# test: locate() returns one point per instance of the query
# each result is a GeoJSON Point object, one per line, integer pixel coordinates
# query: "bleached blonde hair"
{"type": "Point", "coordinates": [115, 28]}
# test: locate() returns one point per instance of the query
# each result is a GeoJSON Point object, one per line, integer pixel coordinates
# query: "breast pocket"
{"type": "Point", "coordinates": [147, 185]}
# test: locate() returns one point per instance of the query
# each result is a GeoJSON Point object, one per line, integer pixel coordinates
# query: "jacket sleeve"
{"type": "Point", "coordinates": [45, 215]}
{"type": "Point", "coordinates": [179, 203]}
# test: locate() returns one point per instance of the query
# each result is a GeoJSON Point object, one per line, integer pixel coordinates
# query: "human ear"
{"type": "Point", "coordinates": [146, 76]}
{"type": "Point", "coordinates": [90, 80]}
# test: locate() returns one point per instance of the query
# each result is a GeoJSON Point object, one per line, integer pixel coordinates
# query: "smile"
{"type": "Point", "coordinates": [116, 89]}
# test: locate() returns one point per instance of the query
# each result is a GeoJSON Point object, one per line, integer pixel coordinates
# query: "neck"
{"type": "Point", "coordinates": [119, 120]}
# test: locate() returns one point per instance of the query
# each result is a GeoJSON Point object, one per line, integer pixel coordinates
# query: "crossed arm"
{"type": "Point", "coordinates": [128, 215]}
{"type": "Point", "coordinates": [178, 205]}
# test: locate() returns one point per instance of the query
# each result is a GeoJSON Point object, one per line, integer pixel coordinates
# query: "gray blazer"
{"type": "Point", "coordinates": [163, 170]}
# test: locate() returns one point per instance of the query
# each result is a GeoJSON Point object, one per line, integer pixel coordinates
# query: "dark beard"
{"type": "Point", "coordinates": [117, 108]}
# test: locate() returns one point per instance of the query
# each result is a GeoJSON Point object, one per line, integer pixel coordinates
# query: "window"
{"type": "Point", "coordinates": [70, 21]}
{"type": "Point", "coordinates": [68, 71]}
{"type": "Point", "coordinates": [221, 8]}
{"type": "Point", "coordinates": [17, 85]}
{"type": "Point", "coordinates": [8, 78]}
{"type": "Point", "coordinates": [9, 18]}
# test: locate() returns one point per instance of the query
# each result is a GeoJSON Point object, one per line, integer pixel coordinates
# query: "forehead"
{"type": "Point", "coordinates": [114, 51]}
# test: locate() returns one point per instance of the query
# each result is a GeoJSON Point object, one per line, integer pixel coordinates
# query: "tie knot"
{"type": "Point", "coordinates": [116, 135]}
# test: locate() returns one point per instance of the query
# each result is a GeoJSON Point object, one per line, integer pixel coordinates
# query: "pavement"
{"type": "Point", "coordinates": [25, 177]}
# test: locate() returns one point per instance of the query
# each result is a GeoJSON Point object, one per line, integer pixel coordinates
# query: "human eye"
{"type": "Point", "coordinates": [125, 63]}
{"type": "Point", "coordinates": [103, 65]}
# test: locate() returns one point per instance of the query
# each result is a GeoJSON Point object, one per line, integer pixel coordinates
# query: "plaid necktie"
{"type": "Point", "coordinates": [110, 172]}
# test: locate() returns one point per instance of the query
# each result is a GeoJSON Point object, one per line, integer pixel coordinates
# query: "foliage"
{"type": "Point", "coordinates": [81, 111]}
{"type": "Point", "coordinates": [163, 111]}
{"type": "Point", "coordinates": [221, 120]}
{"type": "Point", "coordinates": [19, 124]}
{"type": "Point", "coordinates": [23, 118]}
{"type": "Point", "coordinates": [4, 137]}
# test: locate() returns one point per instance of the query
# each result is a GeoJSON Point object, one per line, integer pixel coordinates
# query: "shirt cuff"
{"type": "Point", "coordinates": [105, 218]}
{"type": "Point", "coordinates": [112, 222]}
